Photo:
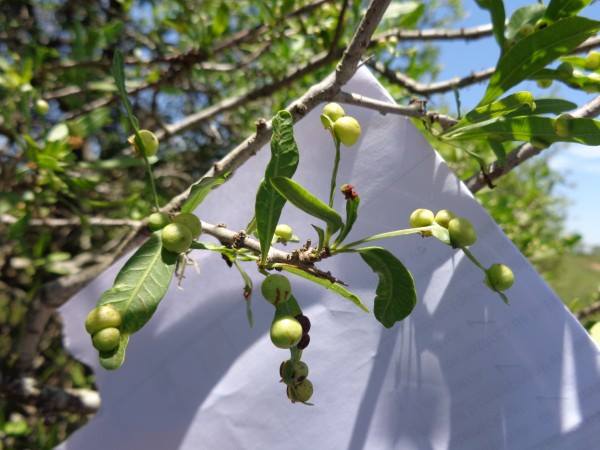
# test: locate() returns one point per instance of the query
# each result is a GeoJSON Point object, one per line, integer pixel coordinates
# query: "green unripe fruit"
{"type": "Point", "coordinates": [191, 222]}
{"type": "Point", "coordinates": [158, 220]}
{"type": "Point", "coordinates": [301, 392]}
{"type": "Point", "coordinates": [592, 60]}
{"type": "Point", "coordinates": [544, 84]}
{"type": "Point", "coordinates": [276, 289]}
{"type": "Point", "coordinates": [334, 111]}
{"type": "Point", "coordinates": [462, 233]}
{"type": "Point", "coordinates": [107, 339]}
{"type": "Point", "coordinates": [443, 217]}
{"type": "Point", "coordinates": [104, 316]}
{"type": "Point", "coordinates": [562, 125]}
{"type": "Point", "coordinates": [421, 218]}
{"type": "Point", "coordinates": [176, 237]}
{"type": "Point", "coordinates": [293, 371]}
{"type": "Point", "coordinates": [347, 130]}
{"type": "Point", "coordinates": [284, 232]}
{"type": "Point", "coordinates": [42, 107]}
{"type": "Point", "coordinates": [149, 140]}
{"type": "Point", "coordinates": [286, 332]}
{"type": "Point", "coordinates": [565, 69]}
{"type": "Point", "coordinates": [499, 277]}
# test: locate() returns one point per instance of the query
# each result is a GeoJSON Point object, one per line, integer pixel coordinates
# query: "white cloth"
{"type": "Point", "coordinates": [464, 371]}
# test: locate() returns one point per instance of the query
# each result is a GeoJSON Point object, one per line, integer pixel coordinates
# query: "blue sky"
{"type": "Point", "coordinates": [579, 164]}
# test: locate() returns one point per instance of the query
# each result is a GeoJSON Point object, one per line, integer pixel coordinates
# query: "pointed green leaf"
{"type": "Point", "coordinates": [141, 284]}
{"type": "Point", "coordinates": [496, 9]}
{"type": "Point", "coordinates": [582, 130]}
{"type": "Point", "coordinates": [576, 79]}
{"type": "Point", "coordinates": [288, 308]}
{"type": "Point", "coordinates": [335, 287]}
{"type": "Point", "coordinates": [558, 9]}
{"type": "Point", "coordinates": [352, 205]}
{"type": "Point", "coordinates": [118, 72]}
{"type": "Point", "coordinates": [302, 199]}
{"type": "Point", "coordinates": [519, 101]}
{"type": "Point", "coordinates": [199, 192]}
{"type": "Point", "coordinates": [440, 233]}
{"type": "Point", "coordinates": [114, 360]}
{"type": "Point", "coordinates": [525, 15]}
{"type": "Point", "coordinates": [534, 52]}
{"type": "Point", "coordinates": [321, 236]}
{"type": "Point", "coordinates": [396, 295]}
{"type": "Point", "coordinates": [284, 160]}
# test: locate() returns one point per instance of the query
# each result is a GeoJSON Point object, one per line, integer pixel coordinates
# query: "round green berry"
{"type": "Point", "coordinates": [149, 141]}
{"type": "Point", "coordinates": [191, 222]}
{"type": "Point", "coordinates": [462, 233]}
{"type": "Point", "coordinates": [293, 371]}
{"type": "Point", "coordinates": [176, 238]}
{"type": "Point", "coordinates": [276, 289]}
{"type": "Point", "coordinates": [158, 220]}
{"type": "Point", "coordinates": [562, 125]}
{"type": "Point", "coordinates": [106, 339]}
{"type": "Point", "coordinates": [443, 217]}
{"type": "Point", "coordinates": [333, 111]}
{"type": "Point", "coordinates": [592, 60]}
{"type": "Point", "coordinates": [42, 107]}
{"type": "Point", "coordinates": [347, 130]}
{"type": "Point", "coordinates": [286, 332]}
{"type": "Point", "coordinates": [544, 84]}
{"type": "Point", "coordinates": [300, 392]}
{"type": "Point", "coordinates": [499, 277]}
{"type": "Point", "coordinates": [565, 69]}
{"type": "Point", "coordinates": [421, 218]}
{"type": "Point", "coordinates": [104, 316]}
{"type": "Point", "coordinates": [284, 232]}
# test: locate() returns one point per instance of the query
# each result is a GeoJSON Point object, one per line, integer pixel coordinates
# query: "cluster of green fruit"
{"type": "Point", "coordinates": [177, 234]}
{"type": "Point", "coordinates": [498, 277]}
{"type": "Point", "coordinates": [288, 332]}
{"type": "Point", "coordinates": [102, 323]}
{"type": "Point", "coordinates": [346, 129]}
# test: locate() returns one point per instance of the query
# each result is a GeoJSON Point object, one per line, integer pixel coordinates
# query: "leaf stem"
{"type": "Point", "coordinates": [336, 163]}
{"type": "Point", "coordinates": [379, 236]}
{"type": "Point", "coordinates": [473, 259]}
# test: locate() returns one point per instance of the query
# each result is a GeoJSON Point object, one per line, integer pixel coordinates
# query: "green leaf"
{"type": "Point", "coordinates": [576, 79]}
{"type": "Point", "coordinates": [300, 197]}
{"type": "Point", "coordinates": [396, 295]}
{"type": "Point", "coordinates": [582, 130]}
{"type": "Point", "coordinates": [500, 107]}
{"type": "Point", "coordinates": [118, 72]}
{"type": "Point", "coordinates": [327, 284]}
{"type": "Point", "coordinates": [498, 150]}
{"type": "Point", "coordinates": [352, 205]}
{"type": "Point", "coordinates": [526, 14]}
{"type": "Point", "coordinates": [440, 233]}
{"type": "Point", "coordinates": [496, 9]}
{"type": "Point", "coordinates": [139, 287]}
{"type": "Point", "coordinates": [284, 160]}
{"type": "Point", "coordinates": [549, 106]}
{"type": "Point", "coordinates": [221, 19]}
{"type": "Point", "coordinates": [558, 9]}
{"type": "Point", "coordinates": [534, 52]}
{"type": "Point", "coordinates": [115, 359]}
{"type": "Point", "coordinates": [199, 192]}
{"type": "Point", "coordinates": [321, 235]}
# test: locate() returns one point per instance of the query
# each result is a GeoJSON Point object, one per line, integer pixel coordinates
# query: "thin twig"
{"type": "Point", "coordinates": [436, 34]}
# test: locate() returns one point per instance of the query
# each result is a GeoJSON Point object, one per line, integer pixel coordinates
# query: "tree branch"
{"type": "Point", "coordinates": [60, 290]}
{"type": "Point", "coordinates": [72, 221]}
{"type": "Point", "coordinates": [523, 153]}
{"type": "Point", "coordinates": [426, 89]}
{"type": "Point", "coordinates": [417, 109]}
{"type": "Point", "coordinates": [436, 34]}
{"type": "Point", "coordinates": [50, 399]}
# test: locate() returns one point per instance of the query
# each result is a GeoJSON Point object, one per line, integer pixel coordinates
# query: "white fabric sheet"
{"type": "Point", "coordinates": [463, 372]}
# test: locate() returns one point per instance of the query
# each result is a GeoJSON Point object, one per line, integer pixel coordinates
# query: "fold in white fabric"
{"type": "Point", "coordinates": [464, 371]}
